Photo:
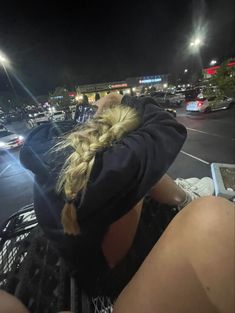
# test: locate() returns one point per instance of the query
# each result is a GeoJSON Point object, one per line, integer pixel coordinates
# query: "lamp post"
{"type": "Point", "coordinates": [195, 49]}
{"type": "Point", "coordinates": [4, 61]}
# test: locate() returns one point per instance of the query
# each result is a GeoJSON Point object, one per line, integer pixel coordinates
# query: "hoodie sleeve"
{"type": "Point", "coordinates": [156, 143]}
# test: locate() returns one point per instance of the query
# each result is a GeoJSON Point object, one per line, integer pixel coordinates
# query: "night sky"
{"type": "Point", "coordinates": [69, 43]}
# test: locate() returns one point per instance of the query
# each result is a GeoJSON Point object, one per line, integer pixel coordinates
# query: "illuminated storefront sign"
{"type": "Point", "coordinates": [212, 70]}
{"type": "Point", "coordinates": [150, 80]}
{"type": "Point", "coordinates": [118, 86]}
{"type": "Point", "coordinates": [57, 97]}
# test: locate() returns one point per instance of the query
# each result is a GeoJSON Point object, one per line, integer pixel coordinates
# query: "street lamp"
{"type": "Point", "coordinates": [196, 43]}
{"type": "Point", "coordinates": [3, 59]}
{"type": "Point", "coordinates": [213, 62]}
{"type": "Point", "coordinates": [186, 70]}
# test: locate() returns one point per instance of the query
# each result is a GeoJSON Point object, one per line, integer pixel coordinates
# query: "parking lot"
{"type": "Point", "coordinates": [211, 138]}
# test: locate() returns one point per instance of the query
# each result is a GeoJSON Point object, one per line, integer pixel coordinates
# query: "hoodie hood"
{"type": "Point", "coordinates": [34, 153]}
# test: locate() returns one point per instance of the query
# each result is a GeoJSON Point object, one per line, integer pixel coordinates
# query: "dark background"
{"type": "Point", "coordinates": [72, 43]}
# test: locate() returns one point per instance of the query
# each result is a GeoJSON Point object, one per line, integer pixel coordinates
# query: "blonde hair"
{"type": "Point", "coordinates": [100, 132]}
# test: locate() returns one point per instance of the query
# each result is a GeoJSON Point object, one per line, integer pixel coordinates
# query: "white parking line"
{"type": "Point", "coordinates": [194, 157]}
{"type": "Point", "coordinates": [5, 169]}
{"type": "Point", "coordinates": [200, 131]}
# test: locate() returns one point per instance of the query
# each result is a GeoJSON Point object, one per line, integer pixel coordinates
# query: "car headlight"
{"type": "Point", "coordinates": [21, 138]}
{"type": "Point", "coordinates": [2, 144]}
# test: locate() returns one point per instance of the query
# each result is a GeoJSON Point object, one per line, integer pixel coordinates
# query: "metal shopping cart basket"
{"type": "Point", "coordinates": [32, 270]}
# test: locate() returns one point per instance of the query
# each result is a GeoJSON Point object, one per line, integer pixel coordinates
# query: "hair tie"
{"type": "Point", "coordinates": [70, 200]}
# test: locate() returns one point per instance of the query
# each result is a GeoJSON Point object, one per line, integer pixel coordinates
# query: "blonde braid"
{"type": "Point", "coordinates": [100, 132]}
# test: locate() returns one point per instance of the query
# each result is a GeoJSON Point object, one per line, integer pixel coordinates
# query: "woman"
{"type": "Point", "coordinates": [89, 187]}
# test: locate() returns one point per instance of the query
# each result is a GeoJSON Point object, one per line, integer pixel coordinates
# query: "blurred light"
{"type": "Point", "coordinates": [118, 86]}
{"type": "Point", "coordinates": [2, 144]}
{"type": "Point", "coordinates": [186, 70]}
{"type": "Point", "coordinates": [134, 88]}
{"type": "Point", "coordinates": [21, 137]}
{"type": "Point", "coordinates": [128, 91]}
{"type": "Point", "coordinates": [199, 103]}
{"type": "Point", "coordinates": [197, 42]}
{"type": "Point", "coordinates": [213, 62]}
{"type": "Point", "coordinates": [147, 81]}
{"type": "Point", "coordinates": [3, 59]}
{"type": "Point", "coordinates": [165, 85]}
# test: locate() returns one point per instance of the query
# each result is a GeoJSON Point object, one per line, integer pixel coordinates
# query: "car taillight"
{"type": "Point", "coordinates": [199, 103]}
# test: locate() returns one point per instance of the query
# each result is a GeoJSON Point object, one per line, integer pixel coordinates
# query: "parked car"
{"type": "Point", "coordinates": [42, 117]}
{"type": "Point", "coordinates": [73, 113]}
{"type": "Point", "coordinates": [169, 110]}
{"type": "Point", "coordinates": [13, 117]}
{"type": "Point", "coordinates": [2, 127]}
{"type": "Point", "coordinates": [205, 105]}
{"type": "Point", "coordinates": [192, 94]}
{"type": "Point", "coordinates": [32, 113]}
{"type": "Point", "coordinates": [3, 118]}
{"type": "Point", "coordinates": [167, 99]}
{"type": "Point", "coordinates": [30, 123]}
{"type": "Point", "coordinates": [9, 140]}
{"type": "Point", "coordinates": [58, 116]}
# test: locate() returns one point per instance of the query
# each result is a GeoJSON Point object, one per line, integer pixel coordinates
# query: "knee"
{"type": "Point", "coordinates": [209, 213]}
{"type": "Point", "coordinates": [10, 304]}
{"type": "Point", "coordinates": [210, 205]}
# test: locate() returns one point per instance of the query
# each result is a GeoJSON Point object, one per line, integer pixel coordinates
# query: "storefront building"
{"type": "Point", "coordinates": [132, 85]}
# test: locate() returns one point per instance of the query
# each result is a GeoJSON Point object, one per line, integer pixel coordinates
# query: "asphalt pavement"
{"type": "Point", "coordinates": [211, 138]}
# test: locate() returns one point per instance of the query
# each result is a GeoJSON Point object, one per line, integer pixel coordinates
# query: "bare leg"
{"type": "Point", "coordinates": [10, 304]}
{"type": "Point", "coordinates": [167, 191]}
{"type": "Point", "coordinates": [191, 268]}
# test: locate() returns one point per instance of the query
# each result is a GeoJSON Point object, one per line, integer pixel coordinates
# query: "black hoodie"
{"type": "Point", "coordinates": [120, 178]}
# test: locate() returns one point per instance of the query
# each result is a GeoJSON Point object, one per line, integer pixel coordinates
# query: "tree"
{"type": "Point", "coordinates": [224, 79]}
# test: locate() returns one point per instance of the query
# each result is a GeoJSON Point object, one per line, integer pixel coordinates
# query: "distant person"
{"type": "Point", "coordinates": [84, 111]}
{"type": "Point", "coordinates": [97, 96]}
{"type": "Point", "coordinates": [85, 99]}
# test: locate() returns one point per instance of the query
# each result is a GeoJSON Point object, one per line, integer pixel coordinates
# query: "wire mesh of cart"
{"type": "Point", "coordinates": [32, 270]}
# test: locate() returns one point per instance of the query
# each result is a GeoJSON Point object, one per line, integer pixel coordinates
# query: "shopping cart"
{"type": "Point", "coordinates": [33, 271]}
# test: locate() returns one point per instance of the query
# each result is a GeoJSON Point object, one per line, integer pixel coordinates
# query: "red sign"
{"type": "Point", "coordinates": [119, 86]}
{"type": "Point", "coordinates": [72, 94]}
{"type": "Point", "coordinates": [212, 70]}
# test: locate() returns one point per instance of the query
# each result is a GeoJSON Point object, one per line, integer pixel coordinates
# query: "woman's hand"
{"type": "Point", "coordinates": [107, 101]}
